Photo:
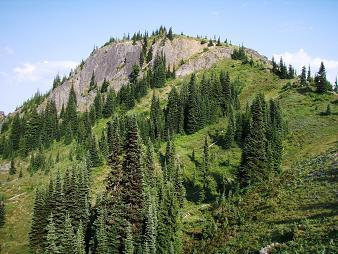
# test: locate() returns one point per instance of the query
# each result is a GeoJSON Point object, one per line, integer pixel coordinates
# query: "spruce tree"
{"type": "Point", "coordinates": [80, 240]}
{"type": "Point", "coordinates": [156, 119]}
{"type": "Point", "coordinates": [58, 209]}
{"type": "Point", "coordinates": [92, 83]}
{"type": "Point", "coordinates": [52, 238]}
{"type": "Point", "coordinates": [105, 85]}
{"type": "Point", "coordinates": [192, 114]}
{"type": "Point", "coordinates": [132, 180]}
{"type": "Point", "coordinates": [109, 105]}
{"type": "Point", "coordinates": [129, 243]}
{"type": "Point", "coordinates": [254, 163]}
{"type": "Point", "coordinates": [150, 226]}
{"type": "Point", "coordinates": [68, 236]}
{"type": "Point", "coordinates": [321, 82]}
{"type": "Point", "coordinates": [101, 235]}
{"type": "Point", "coordinates": [174, 113]}
{"type": "Point", "coordinates": [12, 169]}
{"type": "Point", "coordinates": [308, 78]}
{"type": "Point", "coordinates": [38, 232]}
{"type": "Point", "coordinates": [303, 77]}
{"type": "Point", "coordinates": [170, 34]}
{"type": "Point", "coordinates": [98, 105]}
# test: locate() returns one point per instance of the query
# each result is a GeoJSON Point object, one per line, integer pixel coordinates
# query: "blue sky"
{"type": "Point", "coordinates": [39, 38]}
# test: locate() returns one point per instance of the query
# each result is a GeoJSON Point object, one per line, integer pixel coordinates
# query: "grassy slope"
{"type": "Point", "coordinates": [310, 134]}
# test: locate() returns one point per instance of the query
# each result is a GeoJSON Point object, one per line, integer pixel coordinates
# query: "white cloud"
{"type": "Point", "coordinates": [302, 58]}
{"type": "Point", "coordinates": [42, 71]}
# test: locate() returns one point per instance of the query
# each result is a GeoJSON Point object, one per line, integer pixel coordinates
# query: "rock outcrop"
{"type": "Point", "coordinates": [114, 63]}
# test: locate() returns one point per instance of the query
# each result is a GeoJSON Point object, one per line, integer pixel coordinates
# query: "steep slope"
{"type": "Point", "coordinates": [302, 111]}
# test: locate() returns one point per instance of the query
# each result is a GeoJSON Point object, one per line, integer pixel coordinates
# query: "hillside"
{"type": "Point", "coordinates": [295, 207]}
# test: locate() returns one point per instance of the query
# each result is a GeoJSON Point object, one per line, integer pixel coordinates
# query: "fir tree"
{"type": "Point", "coordinates": [79, 241]}
{"type": "Point", "coordinates": [12, 169]}
{"type": "Point", "coordinates": [303, 77]}
{"type": "Point", "coordinates": [210, 43]}
{"type": "Point", "coordinates": [104, 86]}
{"type": "Point", "coordinates": [321, 82]}
{"type": "Point", "coordinates": [98, 105]}
{"type": "Point", "coordinates": [93, 153]}
{"type": "Point", "coordinates": [174, 113]}
{"type": "Point", "coordinates": [309, 79]}
{"type": "Point", "coordinates": [129, 243]}
{"type": "Point", "coordinates": [109, 105]}
{"type": "Point", "coordinates": [156, 119]}
{"type": "Point", "coordinates": [58, 209]}
{"type": "Point", "coordinates": [192, 115]}
{"type": "Point", "coordinates": [102, 240]}
{"type": "Point", "coordinates": [38, 232]}
{"type": "Point", "coordinates": [92, 83]}
{"type": "Point", "coordinates": [68, 236]}
{"type": "Point", "coordinates": [219, 42]}
{"type": "Point", "coordinates": [254, 164]}
{"type": "Point", "coordinates": [52, 246]}
{"type": "Point", "coordinates": [132, 180]}
{"type": "Point", "coordinates": [150, 227]}
{"type": "Point", "coordinates": [170, 35]}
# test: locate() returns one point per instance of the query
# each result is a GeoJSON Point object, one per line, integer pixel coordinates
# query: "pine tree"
{"type": "Point", "coordinates": [12, 169]}
{"type": "Point", "coordinates": [38, 232]}
{"type": "Point", "coordinates": [79, 241]}
{"type": "Point", "coordinates": [309, 79]}
{"type": "Point", "coordinates": [52, 240]}
{"type": "Point", "coordinates": [321, 82]}
{"type": "Point", "coordinates": [219, 42]}
{"type": "Point", "coordinates": [170, 34]}
{"type": "Point", "coordinates": [210, 43]}
{"type": "Point", "coordinates": [132, 180]}
{"type": "Point", "coordinates": [174, 113]}
{"type": "Point", "coordinates": [102, 240]}
{"type": "Point", "coordinates": [192, 114]}
{"type": "Point", "coordinates": [150, 226]}
{"type": "Point", "coordinates": [68, 236]}
{"type": "Point", "coordinates": [105, 85]}
{"type": "Point", "coordinates": [93, 153]}
{"type": "Point", "coordinates": [92, 83]}
{"type": "Point", "coordinates": [129, 243]}
{"type": "Point", "coordinates": [303, 77]}
{"type": "Point", "coordinates": [58, 209]}
{"type": "Point", "coordinates": [109, 105]}
{"type": "Point", "coordinates": [16, 131]}
{"type": "Point", "coordinates": [156, 119]}
{"type": "Point", "coordinates": [254, 164]}
{"type": "Point", "coordinates": [159, 71]}
{"type": "Point", "coordinates": [98, 105]}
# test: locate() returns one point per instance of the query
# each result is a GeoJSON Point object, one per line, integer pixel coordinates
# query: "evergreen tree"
{"type": "Point", "coordinates": [68, 236]}
{"type": "Point", "coordinates": [156, 119]}
{"type": "Point", "coordinates": [129, 243]}
{"type": "Point", "coordinates": [109, 105]}
{"type": "Point", "coordinates": [254, 164]}
{"type": "Point", "coordinates": [98, 105]}
{"type": "Point", "coordinates": [52, 246]}
{"type": "Point", "coordinates": [93, 153]}
{"type": "Point", "coordinates": [303, 77]}
{"type": "Point", "coordinates": [309, 79]}
{"type": "Point", "coordinates": [12, 169]}
{"type": "Point", "coordinates": [58, 209]}
{"type": "Point", "coordinates": [219, 42]}
{"type": "Point", "coordinates": [150, 227]}
{"type": "Point", "coordinates": [321, 82]}
{"type": "Point", "coordinates": [16, 131]}
{"type": "Point", "coordinates": [174, 113]}
{"type": "Point", "coordinates": [170, 35]}
{"type": "Point", "coordinates": [193, 114]}
{"type": "Point", "coordinates": [92, 83]}
{"type": "Point", "coordinates": [79, 241]}
{"type": "Point", "coordinates": [70, 113]}
{"type": "Point", "coordinates": [104, 86]}
{"type": "Point", "coordinates": [38, 232]}
{"type": "Point", "coordinates": [150, 54]}
{"type": "Point", "coordinates": [102, 240]}
{"type": "Point", "coordinates": [210, 43]}
{"type": "Point", "coordinates": [132, 180]}
{"type": "Point", "coordinates": [159, 71]}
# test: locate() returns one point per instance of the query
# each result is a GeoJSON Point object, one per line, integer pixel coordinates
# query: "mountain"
{"type": "Point", "coordinates": [172, 152]}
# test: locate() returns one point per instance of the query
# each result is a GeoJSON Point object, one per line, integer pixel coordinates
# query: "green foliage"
{"type": "Point", "coordinates": [12, 169]}
{"type": "Point", "coordinates": [2, 210]}
{"type": "Point", "coordinates": [52, 238]}
{"type": "Point", "coordinates": [322, 84]}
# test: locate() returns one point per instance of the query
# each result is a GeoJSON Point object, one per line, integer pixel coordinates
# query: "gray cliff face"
{"type": "Point", "coordinates": [115, 61]}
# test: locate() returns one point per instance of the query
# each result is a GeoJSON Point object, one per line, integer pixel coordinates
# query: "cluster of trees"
{"type": "Point", "coordinates": [281, 70]}
{"type": "Point", "coordinates": [260, 132]}
{"type": "Point", "coordinates": [139, 210]}
{"type": "Point", "coordinates": [61, 213]}
{"type": "Point", "coordinates": [196, 105]}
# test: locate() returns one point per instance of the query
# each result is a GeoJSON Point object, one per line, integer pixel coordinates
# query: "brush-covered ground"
{"type": "Point", "coordinates": [301, 210]}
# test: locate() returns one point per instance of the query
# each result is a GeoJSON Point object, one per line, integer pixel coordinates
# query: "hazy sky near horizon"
{"type": "Point", "coordinates": [39, 38]}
